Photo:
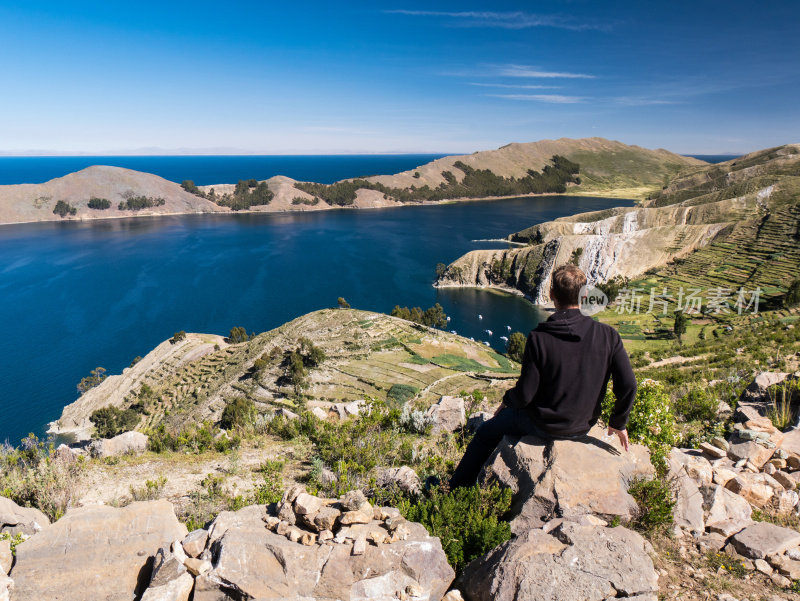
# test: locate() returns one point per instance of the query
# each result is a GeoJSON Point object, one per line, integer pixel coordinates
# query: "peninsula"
{"type": "Point", "coordinates": [589, 166]}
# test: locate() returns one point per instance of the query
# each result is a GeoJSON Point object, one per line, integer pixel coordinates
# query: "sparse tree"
{"type": "Point", "coordinates": [679, 328]}
{"type": "Point", "coordinates": [237, 334]}
{"type": "Point", "coordinates": [343, 304]}
{"type": "Point", "coordinates": [441, 269]}
{"type": "Point", "coordinates": [98, 374]}
{"type": "Point", "coordinates": [515, 347]}
{"type": "Point", "coordinates": [792, 297]}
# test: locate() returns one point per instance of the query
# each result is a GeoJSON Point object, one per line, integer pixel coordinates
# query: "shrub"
{"type": "Point", "coordinates": [137, 203]}
{"type": "Point", "coordinates": [271, 490]}
{"type": "Point", "coordinates": [63, 208]}
{"type": "Point", "coordinates": [238, 413]}
{"type": "Point", "coordinates": [697, 404]}
{"type": "Point", "coordinates": [31, 477]}
{"type": "Point", "coordinates": [651, 421]}
{"type": "Point", "coordinates": [515, 347]}
{"type": "Point", "coordinates": [343, 304]}
{"type": "Point", "coordinates": [99, 204]}
{"type": "Point", "coordinates": [195, 439]}
{"type": "Point", "coordinates": [238, 334]}
{"type": "Point", "coordinates": [110, 421]}
{"type": "Point", "coordinates": [190, 187]}
{"type": "Point", "coordinates": [656, 500]}
{"type": "Point", "coordinates": [151, 490]}
{"type": "Point", "coordinates": [468, 521]}
{"type": "Point", "coordinates": [399, 394]}
{"type": "Point", "coordinates": [792, 297]}
{"type": "Point", "coordinates": [178, 336]}
{"type": "Point", "coordinates": [98, 374]}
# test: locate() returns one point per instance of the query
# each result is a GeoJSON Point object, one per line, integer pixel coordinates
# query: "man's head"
{"type": "Point", "coordinates": [565, 286]}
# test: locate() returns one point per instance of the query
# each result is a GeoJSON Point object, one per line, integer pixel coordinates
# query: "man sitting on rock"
{"type": "Point", "coordinates": [566, 366]}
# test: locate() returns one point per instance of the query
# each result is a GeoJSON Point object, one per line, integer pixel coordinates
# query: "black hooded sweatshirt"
{"type": "Point", "coordinates": [566, 366]}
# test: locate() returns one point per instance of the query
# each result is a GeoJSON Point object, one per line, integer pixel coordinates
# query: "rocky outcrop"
{"type": "Point", "coordinates": [571, 563]}
{"type": "Point", "coordinates": [20, 520]}
{"type": "Point", "coordinates": [308, 547]}
{"type": "Point", "coordinates": [567, 478]}
{"type": "Point", "coordinates": [448, 415]}
{"type": "Point", "coordinates": [122, 444]}
{"type": "Point", "coordinates": [604, 255]}
{"type": "Point", "coordinates": [95, 552]}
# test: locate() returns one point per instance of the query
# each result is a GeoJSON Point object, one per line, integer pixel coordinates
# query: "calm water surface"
{"type": "Point", "coordinates": [204, 170]}
{"type": "Point", "coordinates": [74, 296]}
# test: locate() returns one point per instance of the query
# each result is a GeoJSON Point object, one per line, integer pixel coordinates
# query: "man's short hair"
{"type": "Point", "coordinates": [566, 284]}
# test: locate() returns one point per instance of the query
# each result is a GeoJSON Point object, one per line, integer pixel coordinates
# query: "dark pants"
{"type": "Point", "coordinates": [509, 422]}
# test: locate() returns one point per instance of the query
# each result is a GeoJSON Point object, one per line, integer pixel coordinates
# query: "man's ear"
{"type": "Point", "coordinates": [552, 298]}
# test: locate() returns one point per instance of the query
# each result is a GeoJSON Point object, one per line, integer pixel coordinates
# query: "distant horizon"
{"type": "Point", "coordinates": [167, 152]}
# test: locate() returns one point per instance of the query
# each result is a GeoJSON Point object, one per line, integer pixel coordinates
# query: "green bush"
{"type": "Point", "coordinates": [98, 374]}
{"type": "Point", "coordinates": [99, 204]}
{"type": "Point", "coordinates": [238, 334]}
{"type": "Point", "coordinates": [697, 404]}
{"type": "Point", "coordinates": [137, 203]}
{"type": "Point", "coordinates": [31, 477]}
{"type": "Point", "coordinates": [656, 500]}
{"type": "Point", "coordinates": [651, 421]}
{"type": "Point", "coordinates": [400, 394]}
{"type": "Point", "coordinates": [110, 421]}
{"type": "Point", "coordinates": [178, 336]}
{"type": "Point", "coordinates": [468, 521]}
{"type": "Point", "coordinates": [516, 346]}
{"type": "Point", "coordinates": [238, 413]}
{"type": "Point", "coordinates": [63, 208]}
{"type": "Point", "coordinates": [195, 439]}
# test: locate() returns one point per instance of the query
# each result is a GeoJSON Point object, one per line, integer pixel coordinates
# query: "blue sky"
{"type": "Point", "coordinates": [327, 77]}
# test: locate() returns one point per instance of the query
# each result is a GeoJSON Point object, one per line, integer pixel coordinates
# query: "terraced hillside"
{"type": "Point", "coordinates": [734, 225]}
{"type": "Point", "coordinates": [367, 355]}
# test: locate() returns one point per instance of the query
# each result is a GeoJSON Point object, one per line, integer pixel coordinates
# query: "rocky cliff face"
{"type": "Point", "coordinates": [630, 241]}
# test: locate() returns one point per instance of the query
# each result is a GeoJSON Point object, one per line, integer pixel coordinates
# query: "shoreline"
{"type": "Point", "coordinates": [314, 210]}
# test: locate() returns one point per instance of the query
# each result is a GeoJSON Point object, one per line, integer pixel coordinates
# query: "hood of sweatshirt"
{"type": "Point", "coordinates": [569, 324]}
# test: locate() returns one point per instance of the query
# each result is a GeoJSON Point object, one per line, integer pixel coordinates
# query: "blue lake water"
{"type": "Point", "coordinates": [204, 170]}
{"type": "Point", "coordinates": [74, 296]}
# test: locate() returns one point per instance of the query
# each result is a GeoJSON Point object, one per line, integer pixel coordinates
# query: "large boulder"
{"type": "Point", "coordinates": [762, 539]}
{"type": "Point", "coordinates": [122, 444]}
{"type": "Point", "coordinates": [688, 510]}
{"type": "Point", "coordinates": [571, 563]}
{"type": "Point", "coordinates": [251, 561]}
{"type": "Point", "coordinates": [566, 478]}
{"type": "Point", "coordinates": [721, 505]}
{"type": "Point", "coordinates": [448, 415]}
{"type": "Point", "coordinates": [95, 552]}
{"type": "Point", "coordinates": [755, 400]}
{"type": "Point", "coordinates": [20, 520]}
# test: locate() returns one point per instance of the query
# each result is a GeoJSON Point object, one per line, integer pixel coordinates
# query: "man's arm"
{"type": "Point", "coordinates": [624, 386]}
{"type": "Point", "coordinates": [528, 383]}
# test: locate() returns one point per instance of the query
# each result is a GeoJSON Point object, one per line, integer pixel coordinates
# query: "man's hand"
{"type": "Point", "coordinates": [500, 408]}
{"type": "Point", "coordinates": [623, 436]}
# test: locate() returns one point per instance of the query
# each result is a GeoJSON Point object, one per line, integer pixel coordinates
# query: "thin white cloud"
{"type": "Point", "coordinates": [535, 72]}
{"type": "Point", "coordinates": [503, 20]}
{"type": "Point", "coordinates": [643, 101]}
{"type": "Point", "coordinates": [549, 98]}
{"type": "Point", "coordinates": [514, 86]}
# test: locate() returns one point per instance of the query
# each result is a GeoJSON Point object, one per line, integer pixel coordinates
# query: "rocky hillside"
{"type": "Point", "coordinates": [367, 355]}
{"type": "Point", "coordinates": [607, 168]}
{"type": "Point", "coordinates": [730, 224]}
{"type": "Point", "coordinates": [35, 202]}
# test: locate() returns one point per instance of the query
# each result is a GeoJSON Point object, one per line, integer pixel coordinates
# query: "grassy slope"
{"type": "Point", "coordinates": [367, 353]}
